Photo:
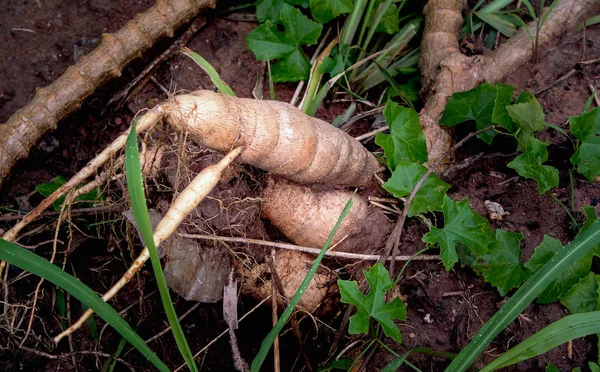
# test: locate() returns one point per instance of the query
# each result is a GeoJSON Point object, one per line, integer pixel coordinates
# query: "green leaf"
{"type": "Point", "coordinates": [586, 128]}
{"type": "Point", "coordinates": [430, 196]}
{"type": "Point", "coordinates": [583, 296]}
{"type": "Point", "coordinates": [551, 368]}
{"type": "Point", "coordinates": [390, 23]}
{"type": "Point", "coordinates": [557, 333]}
{"type": "Point", "coordinates": [268, 10]}
{"type": "Point", "coordinates": [135, 188]}
{"type": "Point", "coordinates": [553, 269]}
{"type": "Point", "coordinates": [406, 141]}
{"type": "Point", "coordinates": [265, 346]}
{"type": "Point", "coordinates": [476, 104]}
{"type": "Point", "coordinates": [528, 115]}
{"type": "Point", "coordinates": [529, 165]}
{"type": "Point", "coordinates": [46, 189]}
{"type": "Point", "coordinates": [267, 43]}
{"type": "Point", "coordinates": [500, 116]}
{"type": "Point", "coordinates": [590, 218]}
{"type": "Point", "coordinates": [373, 305]}
{"type": "Point", "coordinates": [501, 266]}
{"type": "Point", "coordinates": [324, 11]}
{"type": "Point", "coordinates": [29, 261]}
{"type": "Point", "coordinates": [558, 287]}
{"type": "Point", "coordinates": [461, 226]}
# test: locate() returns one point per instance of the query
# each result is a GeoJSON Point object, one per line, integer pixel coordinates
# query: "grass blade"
{"type": "Point", "coordinates": [268, 341]}
{"type": "Point", "coordinates": [212, 73]}
{"type": "Point", "coordinates": [135, 187]}
{"type": "Point", "coordinates": [526, 294]}
{"type": "Point", "coordinates": [37, 265]}
{"type": "Point", "coordinates": [557, 333]}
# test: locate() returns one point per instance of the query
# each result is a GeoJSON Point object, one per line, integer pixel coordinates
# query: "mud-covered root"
{"type": "Point", "coordinates": [291, 268]}
{"type": "Point", "coordinates": [278, 137]}
{"type": "Point", "coordinates": [306, 215]}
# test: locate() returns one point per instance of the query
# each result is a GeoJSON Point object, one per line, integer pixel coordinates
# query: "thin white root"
{"type": "Point", "coordinates": [145, 122]}
{"type": "Point", "coordinates": [183, 205]}
{"type": "Point", "coordinates": [309, 250]}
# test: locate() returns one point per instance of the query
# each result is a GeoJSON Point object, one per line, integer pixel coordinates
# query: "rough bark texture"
{"type": "Point", "coordinates": [447, 71]}
{"type": "Point", "coordinates": [65, 95]}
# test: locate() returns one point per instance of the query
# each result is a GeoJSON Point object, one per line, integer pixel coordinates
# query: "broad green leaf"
{"type": "Point", "coordinates": [583, 296]}
{"type": "Point", "coordinates": [29, 261]}
{"type": "Point", "coordinates": [501, 266]}
{"type": "Point", "coordinates": [529, 165]}
{"type": "Point", "coordinates": [265, 346]}
{"type": "Point", "coordinates": [461, 226]}
{"type": "Point", "coordinates": [557, 333]}
{"type": "Point", "coordinates": [555, 290]}
{"type": "Point", "coordinates": [268, 43]}
{"type": "Point", "coordinates": [373, 305]}
{"type": "Point", "coordinates": [531, 289]}
{"type": "Point", "coordinates": [590, 218]}
{"type": "Point", "coordinates": [430, 196]}
{"type": "Point", "coordinates": [500, 116]}
{"type": "Point", "coordinates": [528, 115]}
{"type": "Point", "coordinates": [586, 128]}
{"type": "Point", "coordinates": [46, 189]}
{"type": "Point", "coordinates": [324, 11]}
{"type": "Point", "coordinates": [406, 141]}
{"type": "Point", "coordinates": [292, 67]}
{"type": "Point", "coordinates": [476, 104]}
{"type": "Point", "coordinates": [390, 23]}
{"type": "Point", "coordinates": [268, 10]}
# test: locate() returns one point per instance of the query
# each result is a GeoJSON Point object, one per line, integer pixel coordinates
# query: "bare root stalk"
{"type": "Point", "coordinates": [66, 94]}
{"type": "Point", "coordinates": [446, 71]}
{"type": "Point", "coordinates": [183, 205]}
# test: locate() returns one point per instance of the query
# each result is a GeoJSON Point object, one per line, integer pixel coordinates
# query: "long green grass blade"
{"type": "Point", "coordinates": [268, 341]}
{"type": "Point", "coordinates": [557, 333]}
{"type": "Point", "coordinates": [135, 187]}
{"type": "Point", "coordinates": [37, 265]}
{"type": "Point", "coordinates": [210, 71]}
{"type": "Point", "coordinates": [526, 294]}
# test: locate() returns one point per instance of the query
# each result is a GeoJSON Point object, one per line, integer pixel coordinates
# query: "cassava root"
{"type": "Point", "coordinates": [278, 137]}
{"type": "Point", "coordinates": [65, 95]}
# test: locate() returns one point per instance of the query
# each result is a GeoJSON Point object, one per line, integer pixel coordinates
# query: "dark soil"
{"type": "Point", "coordinates": [445, 309]}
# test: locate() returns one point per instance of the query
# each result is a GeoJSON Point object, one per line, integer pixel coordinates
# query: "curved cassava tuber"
{"type": "Point", "coordinates": [446, 71]}
{"type": "Point", "coordinates": [278, 137]}
{"type": "Point", "coordinates": [307, 215]}
{"type": "Point", "coordinates": [65, 95]}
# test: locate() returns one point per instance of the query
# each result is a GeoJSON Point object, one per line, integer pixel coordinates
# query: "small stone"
{"type": "Point", "coordinates": [428, 319]}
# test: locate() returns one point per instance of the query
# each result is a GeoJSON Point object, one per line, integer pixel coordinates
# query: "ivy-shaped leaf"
{"type": "Point", "coordinates": [461, 226]}
{"type": "Point", "coordinates": [324, 11]}
{"type": "Point", "coordinates": [268, 10]}
{"type": "Point", "coordinates": [559, 287]}
{"type": "Point", "coordinates": [583, 296]}
{"type": "Point", "coordinates": [529, 115]}
{"type": "Point", "coordinates": [373, 305]}
{"type": "Point", "coordinates": [586, 128]}
{"type": "Point", "coordinates": [500, 116]}
{"type": "Point", "coordinates": [476, 104]}
{"type": "Point", "coordinates": [267, 43]}
{"type": "Point", "coordinates": [430, 196]}
{"type": "Point", "coordinates": [529, 165]}
{"type": "Point", "coordinates": [501, 266]}
{"type": "Point", "coordinates": [390, 23]}
{"type": "Point", "coordinates": [406, 141]}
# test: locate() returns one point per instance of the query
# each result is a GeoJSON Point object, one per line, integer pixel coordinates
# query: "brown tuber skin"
{"type": "Point", "coordinates": [278, 137]}
{"type": "Point", "coordinates": [307, 216]}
